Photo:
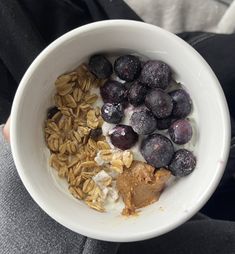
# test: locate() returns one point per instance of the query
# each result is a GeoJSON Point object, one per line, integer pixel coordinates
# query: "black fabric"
{"type": "Point", "coordinates": [219, 52]}
{"type": "Point", "coordinates": [194, 237]}
{"type": "Point", "coordinates": [27, 26]}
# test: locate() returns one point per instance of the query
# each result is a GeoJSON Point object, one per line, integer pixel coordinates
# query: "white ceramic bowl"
{"type": "Point", "coordinates": [181, 200]}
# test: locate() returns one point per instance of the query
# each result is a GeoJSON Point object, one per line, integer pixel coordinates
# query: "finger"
{"type": "Point", "coordinates": [6, 130]}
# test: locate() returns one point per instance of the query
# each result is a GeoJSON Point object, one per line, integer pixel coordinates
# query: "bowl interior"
{"type": "Point", "coordinates": [183, 197]}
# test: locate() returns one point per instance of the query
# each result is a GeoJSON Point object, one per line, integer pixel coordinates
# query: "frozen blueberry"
{"type": "Point", "coordinates": [164, 123]}
{"type": "Point", "coordinates": [95, 133]}
{"type": "Point", "coordinates": [159, 102]}
{"type": "Point", "coordinates": [100, 66]}
{"type": "Point", "coordinates": [180, 131]}
{"type": "Point", "coordinates": [183, 163]}
{"type": "Point", "coordinates": [112, 112]}
{"type": "Point", "coordinates": [127, 67]}
{"type": "Point", "coordinates": [156, 74]}
{"type": "Point", "coordinates": [51, 112]}
{"type": "Point", "coordinates": [143, 122]}
{"type": "Point", "coordinates": [137, 93]}
{"type": "Point", "coordinates": [157, 150]}
{"type": "Point", "coordinates": [123, 137]}
{"type": "Point", "coordinates": [113, 91]}
{"type": "Point", "coordinates": [182, 103]}
{"type": "Point", "coordinates": [128, 85]}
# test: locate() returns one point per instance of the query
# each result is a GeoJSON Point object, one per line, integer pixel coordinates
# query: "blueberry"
{"type": "Point", "coordinates": [100, 66]}
{"type": "Point", "coordinates": [95, 133]}
{"type": "Point", "coordinates": [127, 67]}
{"type": "Point", "coordinates": [112, 112]}
{"type": "Point", "coordinates": [182, 104]}
{"type": "Point", "coordinates": [180, 131]}
{"type": "Point", "coordinates": [157, 150]}
{"type": "Point", "coordinates": [51, 112]}
{"type": "Point", "coordinates": [143, 122]}
{"type": "Point", "coordinates": [113, 91]}
{"type": "Point", "coordinates": [156, 74]}
{"type": "Point", "coordinates": [137, 93]}
{"type": "Point", "coordinates": [164, 123]}
{"type": "Point", "coordinates": [183, 163]}
{"type": "Point", "coordinates": [159, 102]}
{"type": "Point", "coordinates": [128, 85]}
{"type": "Point", "coordinates": [123, 137]}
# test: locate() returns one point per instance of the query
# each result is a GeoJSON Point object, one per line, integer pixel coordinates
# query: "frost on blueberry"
{"type": "Point", "coordinates": [156, 74]}
{"type": "Point", "coordinates": [143, 122]}
{"type": "Point", "coordinates": [159, 102]}
{"type": "Point", "coordinates": [137, 93]}
{"type": "Point", "coordinates": [113, 91]}
{"type": "Point", "coordinates": [157, 150]}
{"type": "Point", "coordinates": [127, 67]}
{"type": "Point", "coordinates": [183, 163]}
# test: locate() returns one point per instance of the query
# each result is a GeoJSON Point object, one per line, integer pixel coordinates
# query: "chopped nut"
{"type": "Point", "coordinates": [127, 158]}
{"type": "Point", "coordinates": [102, 179]}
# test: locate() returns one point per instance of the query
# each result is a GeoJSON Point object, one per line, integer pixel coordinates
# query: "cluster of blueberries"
{"type": "Point", "coordinates": [144, 87]}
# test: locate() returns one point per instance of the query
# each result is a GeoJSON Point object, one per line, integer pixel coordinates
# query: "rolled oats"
{"type": "Point", "coordinates": [70, 101]}
{"type": "Point", "coordinates": [88, 186]}
{"type": "Point", "coordinates": [73, 162]}
{"type": "Point", "coordinates": [92, 120]}
{"type": "Point", "coordinates": [78, 181]}
{"type": "Point", "coordinates": [117, 169]}
{"type": "Point", "coordinates": [56, 117]}
{"type": "Point", "coordinates": [77, 94]}
{"type": "Point", "coordinates": [73, 152]}
{"type": "Point", "coordinates": [76, 192]}
{"type": "Point", "coordinates": [117, 164]}
{"type": "Point", "coordinates": [92, 144]}
{"type": "Point", "coordinates": [103, 145]}
{"type": "Point", "coordinates": [106, 155]}
{"type": "Point", "coordinates": [63, 171]}
{"type": "Point", "coordinates": [91, 98]}
{"type": "Point", "coordinates": [96, 205]}
{"type": "Point", "coordinates": [88, 164]}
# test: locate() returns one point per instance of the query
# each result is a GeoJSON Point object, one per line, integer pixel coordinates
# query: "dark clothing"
{"type": "Point", "coordinates": [27, 26]}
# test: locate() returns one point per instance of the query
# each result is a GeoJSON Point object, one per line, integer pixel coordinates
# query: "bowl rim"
{"type": "Point", "coordinates": [91, 232]}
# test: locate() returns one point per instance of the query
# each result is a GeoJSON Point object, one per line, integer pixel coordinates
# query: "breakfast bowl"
{"type": "Point", "coordinates": [182, 198]}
